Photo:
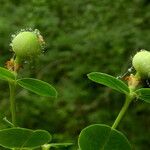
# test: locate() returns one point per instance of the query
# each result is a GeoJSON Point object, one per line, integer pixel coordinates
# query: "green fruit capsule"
{"type": "Point", "coordinates": [141, 63]}
{"type": "Point", "coordinates": [26, 45]}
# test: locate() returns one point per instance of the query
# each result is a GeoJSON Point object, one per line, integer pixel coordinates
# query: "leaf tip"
{"type": "Point", "coordinates": [89, 75]}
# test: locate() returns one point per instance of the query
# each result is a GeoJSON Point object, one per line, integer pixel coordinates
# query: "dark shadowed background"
{"type": "Point", "coordinates": [82, 36]}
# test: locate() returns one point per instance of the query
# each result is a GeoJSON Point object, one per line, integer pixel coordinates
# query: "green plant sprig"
{"type": "Point", "coordinates": [100, 136]}
{"type": "Point", "coordinates": [26, 45]}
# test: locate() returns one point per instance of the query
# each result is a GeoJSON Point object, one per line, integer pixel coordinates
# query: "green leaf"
{"type": "Point", "coordinates": [23, 138]}
{"type": "Point", "coordinates": [109, 81]}
{"type": "Point", "coordinates": [37, 86]}
{"type": "Point", "coordinates": [6, 74]}
{"type": "Point", "coordinates": [102, 137]}
{"type": "Point", "coordinates": [144, 94]}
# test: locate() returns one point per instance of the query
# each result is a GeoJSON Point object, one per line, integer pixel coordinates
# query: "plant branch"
{"type": "Point", "coordinates": [123, 110]}
{"type": "Point", "coordinates": [12, 88]}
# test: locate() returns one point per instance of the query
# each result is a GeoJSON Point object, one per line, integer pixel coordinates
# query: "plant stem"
{"type": "Point", "coordinates": [123, 110]}
{"type": "Point", "coordinates": [12, 88]}
{"type": "Point", "coordinates": [8, 122]}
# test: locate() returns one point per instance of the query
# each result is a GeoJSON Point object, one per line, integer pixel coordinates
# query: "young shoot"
{"type": "Point", "coordinates": [26, 45]}
{"type": "Point", "coordinates": [100, 136]}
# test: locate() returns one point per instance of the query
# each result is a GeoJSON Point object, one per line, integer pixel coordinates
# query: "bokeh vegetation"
{"type": "Point", "coordinates": [81, 36]}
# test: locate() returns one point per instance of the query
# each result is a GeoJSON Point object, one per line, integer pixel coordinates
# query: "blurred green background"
{"type": "Point", "coordinates": [82, 36]}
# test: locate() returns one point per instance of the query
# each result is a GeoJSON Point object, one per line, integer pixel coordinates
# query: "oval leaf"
{"type": "Point", "coordinates": [102, 137]}
{"type": "Point", "coordinates": [6, 74]}
{"type": "Point", "coordinates": [144, 94]}
{"type": "Point", "coordinates": [37, 86]}
{"type": "Point", "coordinates": [23, 138]}
{"type": "Point", "coordinates": [109, 81]}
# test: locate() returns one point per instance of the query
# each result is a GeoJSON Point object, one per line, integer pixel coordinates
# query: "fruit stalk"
{"type": "Point", "coordinates": [12, 87]}
{"type": "Point", "coordinates": [122, 112]}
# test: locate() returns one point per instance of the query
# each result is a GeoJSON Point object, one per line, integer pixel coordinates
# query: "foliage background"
{"type": "Point", "coordinates": [82, 36]}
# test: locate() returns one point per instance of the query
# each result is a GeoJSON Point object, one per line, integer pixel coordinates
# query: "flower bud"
{"type": "Point", "coordinates": [141, 63]}
{"type": "Point", "coordinates": [27, 44]}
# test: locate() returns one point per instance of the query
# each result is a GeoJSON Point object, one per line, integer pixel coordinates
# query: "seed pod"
{"type": "Point", "coordinates": [141, 63]}
{"type": "Point", "coordinates": [26, 45]}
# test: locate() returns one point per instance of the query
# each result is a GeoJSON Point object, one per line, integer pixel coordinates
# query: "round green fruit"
{"type": "Point", "coordinates": [141, 63]}
{"type": "Point", "coordinates": [26, 44]}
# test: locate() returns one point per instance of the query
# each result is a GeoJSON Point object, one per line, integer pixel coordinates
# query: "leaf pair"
{"type": "Point", "coordinates": [36, 86]}
{"type": "Point", "coordinates": [102, 137]}
{"type": "Point", "coordinates": [118, 85]}
{"type": "Point", "coordinates": [23, 138]}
